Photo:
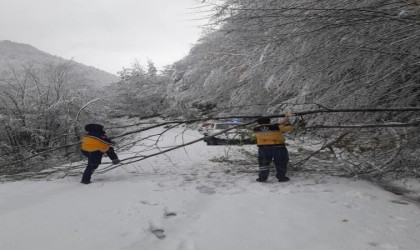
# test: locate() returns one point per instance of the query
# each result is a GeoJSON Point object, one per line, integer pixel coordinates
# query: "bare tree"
{"type": "Point", "coordinates": [39, 106]}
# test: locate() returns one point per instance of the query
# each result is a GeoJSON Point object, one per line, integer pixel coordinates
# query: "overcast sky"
{"type": "Point", "coordinates": [106, 34]}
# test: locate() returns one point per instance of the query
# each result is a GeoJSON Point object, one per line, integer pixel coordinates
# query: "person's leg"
{"type": "Point", "coordinates": [94, 159]}
{"type": "Point", "coordinates": [264, 160]}
{"type": "Point", "coordinates": [87, 174]}
{"type": "Point", "coordinates": [111, 154]}
{"type": "Point", "coordinates": [281, 158]}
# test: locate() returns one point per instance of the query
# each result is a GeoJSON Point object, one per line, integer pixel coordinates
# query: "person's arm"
{"type": "Point", "coordinates": [285, 125]}
{"type": "Point", "coordinates": [287, 118]}
{"type": "Point", "coordinates": [107, 140]}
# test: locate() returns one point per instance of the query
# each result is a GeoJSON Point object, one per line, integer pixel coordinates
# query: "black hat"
{"type": "Point", "coordinates": [95, 128]}
{"type": "Point", "coordinates": [264, 120]}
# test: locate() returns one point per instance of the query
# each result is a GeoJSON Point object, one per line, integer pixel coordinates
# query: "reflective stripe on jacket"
{"type": "Point", "coordinates": [271, 134]}
{"type": "Point", "coordinates": [91, 143]}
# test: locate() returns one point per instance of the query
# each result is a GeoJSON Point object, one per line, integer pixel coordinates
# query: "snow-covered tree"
{"type": "Point", "coordinates": [39, 107]}
{"type": "Point", "coordinates": [272, 56]}
{"type": "Point", "coordinates": [140, 92]}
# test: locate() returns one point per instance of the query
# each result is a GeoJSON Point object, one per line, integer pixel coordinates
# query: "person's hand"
{"type": "Point", "coordinates": [286, 120]}
{"type": "Point", "coordinates": [116, 161]}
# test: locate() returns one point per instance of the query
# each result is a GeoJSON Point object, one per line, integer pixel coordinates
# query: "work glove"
{"type": "Point", "coordinates": [116, 161]}
{"type": "Point", "coordinates": [286, 119]}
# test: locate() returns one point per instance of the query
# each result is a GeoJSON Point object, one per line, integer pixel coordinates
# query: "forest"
{"type": "Point", "coordinates": [348, 70]}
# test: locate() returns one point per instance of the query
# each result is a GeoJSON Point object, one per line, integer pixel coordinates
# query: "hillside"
{"type": "Point", "coordinates": [273, 57]}
{"type": "Point", "coordinates": [16, 54]}
{"type": "Point", "coordinates": [264, 56]}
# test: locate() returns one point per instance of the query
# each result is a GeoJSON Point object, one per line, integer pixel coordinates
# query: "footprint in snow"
{"type": "Point", "coordinates": [158, 231]}
{"type": "Point", "coordinates": [383, 245]}
{"type": "Point", "coordinates": [190, 178]}
{"type": "Point", "coordinates": [168, 213]}
{"type": "Point", "coordinates": [400, 202]}
{"type": "Point", "coordinates": [148, 203]}
{"type": "Point", "coordinates": [206, 190]}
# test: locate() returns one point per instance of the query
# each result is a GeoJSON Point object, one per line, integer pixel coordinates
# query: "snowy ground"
{"type": "Point", "coordinates": [183, 201]}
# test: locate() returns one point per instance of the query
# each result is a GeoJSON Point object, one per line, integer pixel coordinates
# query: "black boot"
{"type": "Point", "coordinates": [284, 179]}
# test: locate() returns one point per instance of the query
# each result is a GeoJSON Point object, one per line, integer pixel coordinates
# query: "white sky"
{"type": "Point", "coordinates": [106, 34]}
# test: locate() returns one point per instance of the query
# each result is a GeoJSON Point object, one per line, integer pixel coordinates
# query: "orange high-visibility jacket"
{"type": "Point", "coordinates": [271, 134]}
{"type": "Point", "coordinates": [92, 143]}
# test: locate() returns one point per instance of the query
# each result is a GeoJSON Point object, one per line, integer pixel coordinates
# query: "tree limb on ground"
{"type": "Point", "coordinates": [327, 145]}
{"type": "Point", "coordinates": [326, 110]}
{"type": "Point", "coordinates": [383, 125]}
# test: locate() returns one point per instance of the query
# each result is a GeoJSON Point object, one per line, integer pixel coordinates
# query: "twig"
{"type": "Point", "coordinates": [401, 109]}
{"type": "Point", "coordinates": [329, 144]}
{"type": "Point", "coordinates": [386, 125]}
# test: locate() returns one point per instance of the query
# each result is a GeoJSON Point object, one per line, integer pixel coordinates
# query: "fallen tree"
{"type": "Point", "coordinates": [251, 120]}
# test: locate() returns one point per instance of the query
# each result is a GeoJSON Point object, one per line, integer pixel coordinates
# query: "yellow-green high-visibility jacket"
{"type": "Point", "coordinates": [271, 134]}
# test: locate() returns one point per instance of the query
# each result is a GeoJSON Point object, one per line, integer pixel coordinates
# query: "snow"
{"type": "Point", "coordinates": [185, 201]}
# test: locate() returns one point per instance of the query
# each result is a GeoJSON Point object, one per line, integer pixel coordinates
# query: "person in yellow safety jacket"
{"type": "Point", "coordinates": [271, 146]}
{"type": "Point", "coordinates": [94, 144]}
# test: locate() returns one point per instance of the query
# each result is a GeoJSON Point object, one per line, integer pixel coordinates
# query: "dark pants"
{"type": "Point", "coordinates": [266, 155]}
{"type": "Point", "coordinates": [94, 159]}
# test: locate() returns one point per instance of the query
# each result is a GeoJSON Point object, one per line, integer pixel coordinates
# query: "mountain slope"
{"type": "Point", "coordinates": [15, 55]}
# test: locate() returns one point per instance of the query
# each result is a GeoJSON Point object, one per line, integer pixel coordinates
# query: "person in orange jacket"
{"type": "Point", "coordinates": [94, 144]}
{"type": "Point", "coordinates": [271, 146]}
